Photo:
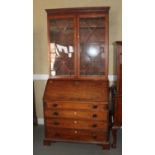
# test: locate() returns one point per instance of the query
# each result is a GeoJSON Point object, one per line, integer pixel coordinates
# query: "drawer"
{"type": "Point", "coordinates": [77, 114]}
{"type": "Point", "coordinates": [76, 124]}
{"type": "Point", "coordinates": [70, 134]}
{"type": "Point", "coordinates": [77, 105]}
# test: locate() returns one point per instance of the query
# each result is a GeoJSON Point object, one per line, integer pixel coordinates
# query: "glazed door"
{"type": "Point", "coordinates": [78, 46]}
{"type": "Point", "coordinates": [92, 50]}
{"type": "Point", "coordinates": [62, 46]}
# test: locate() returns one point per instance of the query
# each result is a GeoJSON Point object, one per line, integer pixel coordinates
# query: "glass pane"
{"type": "Point", "coordinates": [62, 47]}
{"type": "Point", "coordinates": [92, 32]}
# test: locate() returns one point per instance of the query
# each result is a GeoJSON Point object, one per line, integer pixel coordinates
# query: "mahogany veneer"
{"type": "Point", "coordinates": [76, 106]}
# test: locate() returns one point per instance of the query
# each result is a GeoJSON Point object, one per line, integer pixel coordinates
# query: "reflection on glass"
{"type": "Point", "coordinates": [61, 49]}
{"type": "Point", "coordinates": [92, 52]}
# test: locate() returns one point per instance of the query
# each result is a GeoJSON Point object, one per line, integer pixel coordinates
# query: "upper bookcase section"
{"type": "Point", "coordinates": [78, 43]}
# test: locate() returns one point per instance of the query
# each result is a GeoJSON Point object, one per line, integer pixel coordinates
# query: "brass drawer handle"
{"type": "Point", "coordinates": [94, 125]}
{"type": "Point", "coordinates": [56, 113]}
{"type": "Point", "coordinates": [56, 123]}
{"type": "Point", "coordinates": [94, 106]}
{"type": "Point", "coordinates": [94, 136]}
{"type": "Point", "coordinates": [94, 115]}
{"type": "Point", "coordinates": [75, 113]}
{"type": "Point", "coordinates": [55, 105]}
{"type": "Point", "coordinates": [75, 122]}
{"type": "Point", "coordinates": [56, 134]}
{"type": "Point", "coordinates": [75, 132]}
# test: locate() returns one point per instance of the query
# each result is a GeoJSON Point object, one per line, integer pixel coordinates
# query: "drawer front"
{"type": "Point", "coordinates": [77, 105]}
{"type": "Point", "coordinates": [76, 124]}
{"type": "Point", "coordinates": [70, 134]}
{"type": "Point", "coordinates": [75, 114]}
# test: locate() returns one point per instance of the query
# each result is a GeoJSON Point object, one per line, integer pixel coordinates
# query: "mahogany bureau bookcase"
{"type": "Point", "coordinates": [76, 107]}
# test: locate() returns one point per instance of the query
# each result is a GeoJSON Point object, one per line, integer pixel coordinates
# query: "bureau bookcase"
{"type": "Point", "coordinates": [75, 100]}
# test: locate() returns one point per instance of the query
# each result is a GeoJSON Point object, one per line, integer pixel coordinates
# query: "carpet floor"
{"type": "Point", "coordinates": [61, 148]}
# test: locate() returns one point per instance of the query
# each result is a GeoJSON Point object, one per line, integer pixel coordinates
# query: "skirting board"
{"type": "Point", "coordinates": [111, 78]}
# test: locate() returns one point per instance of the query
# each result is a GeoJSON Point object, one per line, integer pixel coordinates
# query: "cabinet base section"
{"type": "Point", "coordinates": [105, 145]}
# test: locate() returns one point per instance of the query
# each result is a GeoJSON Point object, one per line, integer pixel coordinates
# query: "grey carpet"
{"type": "Point", "coordinates": [61, 148]}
